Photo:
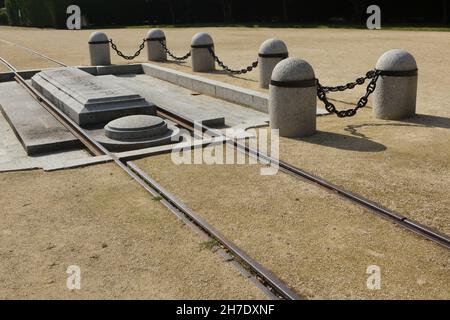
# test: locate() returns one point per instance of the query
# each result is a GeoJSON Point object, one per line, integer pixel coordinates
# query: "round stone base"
{"type": "Point", "coordinates": [136, 127]}
{"type": "Point", "coordinates": [136, 132]}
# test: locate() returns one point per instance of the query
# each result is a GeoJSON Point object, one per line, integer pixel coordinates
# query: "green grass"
{"type": "Point", "coordinates": [210, 245]}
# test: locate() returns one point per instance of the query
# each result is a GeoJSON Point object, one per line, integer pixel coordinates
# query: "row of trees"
{"type": "Point", "coordinates": [118, 12]}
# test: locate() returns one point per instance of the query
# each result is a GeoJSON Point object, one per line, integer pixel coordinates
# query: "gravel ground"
{"type": "Point", "coordinates": [127, 245]}
{"type": "Point", "coordinates": [318, 243]}
{"type": "Point", "coordinates": [403, 165]}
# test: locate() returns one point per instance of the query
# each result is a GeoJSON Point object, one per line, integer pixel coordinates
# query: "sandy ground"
{"type": "Point", "coordinates": [337, 55]}
{"type": "Point", "coordinates": [18, 57]}
{"type": "Point", "coordinates": [127, 245]}
{"type": "Point", "coordinates": [318, 243]}
{"type": "Point", "coordinates": [403, 165]}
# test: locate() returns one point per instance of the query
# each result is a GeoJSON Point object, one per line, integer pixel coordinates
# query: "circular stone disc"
{"type": "Point", "coordinates": [136, 127]}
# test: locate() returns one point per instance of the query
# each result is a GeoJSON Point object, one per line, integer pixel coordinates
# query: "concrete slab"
{"type": "Point", "coordinates": [119, 69]}
{"type": "Point", "coordinates": [37, 130]}
{"type": "Point", "coordinates": [253, 99]}
{"type": "Point", "coordinates": [76, 163]}
{"type": "Point", "coordinates": [213, 112]}
{"type": "Point", "coordinates": [148, 152]}
{"type": "Point", "coordinates": [88, 99]}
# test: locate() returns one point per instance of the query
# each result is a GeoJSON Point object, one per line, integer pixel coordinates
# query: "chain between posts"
{"type": "Point", "coordinates": [120, 54]}
{"type": "Point", "coordinates": [351, 85]}
{"type": "Point", "coordinates": [330, 107]}
{"type": "Point", "coordinates": [164, 46]}
{"type": "Point", "coordinates": [226, 68]}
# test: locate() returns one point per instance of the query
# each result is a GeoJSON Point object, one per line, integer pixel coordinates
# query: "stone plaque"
{"type": "Point", "coordinates": [88, 99]}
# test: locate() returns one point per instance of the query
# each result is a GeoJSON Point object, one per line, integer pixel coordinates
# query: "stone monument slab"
{"type": "Point", "coordinates": [88, 99]}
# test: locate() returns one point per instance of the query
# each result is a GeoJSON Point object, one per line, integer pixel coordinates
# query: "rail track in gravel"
{"type": "Point", "coordinates": [277, 288]}
{"type": "Point", "coordinates": [59, 63]}
{"type": "Point", "coordinates": [176, 206]}
{"type": "Point", "coordinates": [397, 218]}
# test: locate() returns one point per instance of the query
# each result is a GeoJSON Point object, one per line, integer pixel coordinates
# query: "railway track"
{"type": "Point", "coordinates": [279, 288]}
{"type": "Point", "coordinates": [397, 218]}
{"type": "Point", "coordinates": [273, 284]}
{"type": "Point", "coordinates": [34, 52]}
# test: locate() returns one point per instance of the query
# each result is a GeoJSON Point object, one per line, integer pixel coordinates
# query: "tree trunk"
{"type": "Point", "coordinates": [172, 11]}
{"type": "Point", "coordinates": [227, 8]}
{"type": "Point", "coordinates": [445, 12]}
{"type": "Point", "coordinates": [285, 11]}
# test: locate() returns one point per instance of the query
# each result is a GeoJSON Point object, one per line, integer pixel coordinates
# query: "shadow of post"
{"type": "Point", "coordinates": [343, 142]}
{"type": "Point", "coordinates": [429, 121]}
{"type": "Point", "coordinates": [420, 121]}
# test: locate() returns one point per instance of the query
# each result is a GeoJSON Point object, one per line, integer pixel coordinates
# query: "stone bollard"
{"type": "Point", "coordinates": [202, 61]}
{"type": "Point", "coordinates": [99, 49]}
{"type": "Point", "coordinates": [292, 98]}
{"type": "Point", "coordinates": [271, 52]}
{"type": "Point", "coordinates": [155, 51]}
{"type": "Point", "coordinates": [396, 93]}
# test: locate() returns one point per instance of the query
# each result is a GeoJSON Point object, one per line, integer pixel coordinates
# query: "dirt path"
{"type": "Point", "coordinates": [318, 243]}
{"type": "Point", "coordinates": [337, 55]}
{"type": "Point", "coordinates": [403, 165]}
{"type": "Point", "coordinates": [127, 245]}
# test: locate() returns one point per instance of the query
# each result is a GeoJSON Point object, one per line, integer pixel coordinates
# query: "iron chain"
{"type": "Point", "coordinates": [226, 68]}
{"type": "Point", "coordinates": [351, 85]}
{"type": "Point", "coordinates": [330, 107]}
{"type": "Point", "coordinates": [120, 54]}
{"type": "Point", "coordinates": [164, 46]}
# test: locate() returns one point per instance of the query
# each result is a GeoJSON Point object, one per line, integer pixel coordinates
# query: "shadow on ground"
{"type": "Point", "coordinates": [420, 121]}
{"type": "Point", "coordinates": [343, 142]}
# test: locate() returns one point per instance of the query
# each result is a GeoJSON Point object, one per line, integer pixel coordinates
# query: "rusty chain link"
{"type": "Point", "coordinates": [226, 68]}
{"type": "Point", "coordinates": [120, 54]}
{"type": "Point", "coordinates": [330, 107]}
{"type": "Point", "coordinates": [321, 90]}
{"type": "Point", "coordinates": [351, 85]}
{"type": "Point", "coordinates": [164, 46]}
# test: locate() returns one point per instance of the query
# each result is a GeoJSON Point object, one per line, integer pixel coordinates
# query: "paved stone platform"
{"type": "Point", "coordinates": [14, 158]}
{"type": "Point", "coordinates": [213, 112]}
{"type": "Point", "coordinates": [37, 130]}
{"type": "Point", "coordinates": [88, 99]}
{"type": "Point", "coordinates": [235, 94]}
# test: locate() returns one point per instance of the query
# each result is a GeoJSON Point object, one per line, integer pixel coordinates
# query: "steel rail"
{"type": "Point", "coordinates": [35, 52]}
{"type": "Point", "coordinates": [267, 276]}
{"type": "Point", "coordinates": [170, 201]}
{"type": "Point", "coordinates": [403, 221]}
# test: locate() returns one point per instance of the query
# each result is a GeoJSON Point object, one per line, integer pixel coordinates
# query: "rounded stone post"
{"type": "Point", "coordinates": [155, 52]}
{"type": "Point", "coordinates": [292, 98]}
{"type": "Point", "coordinates": [99, 49]}
{"type": "Point", "coordinates": [202, 61]}
{"type": "Point", "coordinates": [396, 93]}
{"type": "Point", "coordinates": [271, 52]}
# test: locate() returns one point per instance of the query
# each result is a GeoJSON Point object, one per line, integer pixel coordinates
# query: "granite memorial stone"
{"type": "Point", "coordinates": [88, 99]}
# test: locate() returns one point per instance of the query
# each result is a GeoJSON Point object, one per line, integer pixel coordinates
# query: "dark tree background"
{"type": "Point", "coordinates": [134, 12]}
